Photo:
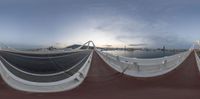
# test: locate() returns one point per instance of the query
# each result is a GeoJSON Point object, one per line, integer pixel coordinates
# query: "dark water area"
{"type": "Point", "coordinates": [143, 53]}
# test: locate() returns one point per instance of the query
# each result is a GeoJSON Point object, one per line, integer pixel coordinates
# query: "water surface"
{"type": "Point", "coordinates": [143, 53]}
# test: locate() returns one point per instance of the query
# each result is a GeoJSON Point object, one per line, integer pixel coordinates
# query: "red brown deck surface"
{"type": "Point", "coordinates": [103, 82]}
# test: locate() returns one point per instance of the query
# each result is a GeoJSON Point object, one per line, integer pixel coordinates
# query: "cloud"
{"type": "Point", "coordinates": [135, 22]}
{"type": "Point", "coordinates": [135, 45]}
{"type": "Point", "coordinates": [170, 41]}
{"type": "Point", "coordinates": [138, 32]}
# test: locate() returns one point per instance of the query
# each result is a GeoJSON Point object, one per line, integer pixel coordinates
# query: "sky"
{"type": "Point", "coordinates": [143, 23]}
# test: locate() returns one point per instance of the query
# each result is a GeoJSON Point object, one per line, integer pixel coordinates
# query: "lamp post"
{"type": "Point", "coordinates": [197, 42]}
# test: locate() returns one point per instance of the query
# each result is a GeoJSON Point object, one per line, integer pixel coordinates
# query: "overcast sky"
{"type": "Point", "coordinates": [153, 23]}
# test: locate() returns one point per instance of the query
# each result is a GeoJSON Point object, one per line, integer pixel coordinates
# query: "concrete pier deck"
{"type": "Point", "coordinates": [103, 82]}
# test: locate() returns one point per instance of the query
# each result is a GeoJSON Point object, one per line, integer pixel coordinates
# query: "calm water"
{"type": "Point", "coordinates": [142, 54]}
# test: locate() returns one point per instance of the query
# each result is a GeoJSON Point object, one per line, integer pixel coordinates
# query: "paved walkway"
{"type": "Point", "coordinates": [103, 82]}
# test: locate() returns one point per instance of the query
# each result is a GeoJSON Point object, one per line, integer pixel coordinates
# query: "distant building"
{"type": "Point", "coordinates": [163, 49]}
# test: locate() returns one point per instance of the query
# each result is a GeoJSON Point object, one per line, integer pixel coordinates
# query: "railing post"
{"type": "Point", "coordinates": [164, 63]}
{"type": "Point", "coordinates": [107, 57]}
{"type": "Point", "coordinates": [124, 70]}
{"type": "Point", "coordinates": [179, 59]}
{"type": "Point", "coordinates": [81, 75]}
{"type": "Point", "coordinates": [117, 57]}
{"type": "Point", "coordinates": [137, 66]}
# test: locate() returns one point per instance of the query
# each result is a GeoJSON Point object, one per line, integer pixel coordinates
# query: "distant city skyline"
{"type": "Point", "coordinates": [119, 23]}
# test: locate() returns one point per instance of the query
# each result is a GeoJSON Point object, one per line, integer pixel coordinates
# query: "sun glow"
{"type": "Point", "coordinates": [100, 38]}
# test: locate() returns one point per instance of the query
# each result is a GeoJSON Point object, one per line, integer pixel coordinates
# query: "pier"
{"type": "Point", "coordinates": [104, 82]}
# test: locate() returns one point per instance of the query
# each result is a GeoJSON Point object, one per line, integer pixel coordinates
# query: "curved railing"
{"type": "Point", "coordinates": [45, 83]}
{"type": "Point", "coordinates": [44, 77]}
{"type": "Point", "coordinates": [197, 60]}
{"type": "Point", "coordinates": [143, 67]}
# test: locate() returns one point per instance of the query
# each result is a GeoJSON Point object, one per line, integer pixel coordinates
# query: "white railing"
{"type": "Point", "coordinates": [197, 60]}
{"type": "Point", "coordinates": [63, 85]}
{"type": "Point", "coordinates": [144, 67]}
